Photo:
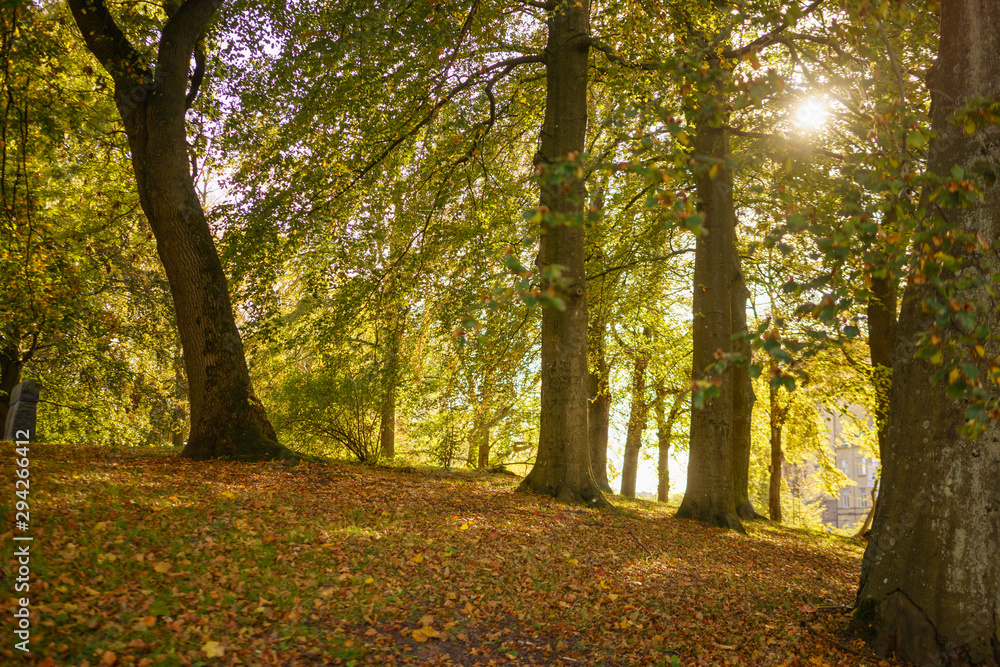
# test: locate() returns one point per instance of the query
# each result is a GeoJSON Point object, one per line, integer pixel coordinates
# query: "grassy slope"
{"type": "Point", "coordinates": [143, 559]}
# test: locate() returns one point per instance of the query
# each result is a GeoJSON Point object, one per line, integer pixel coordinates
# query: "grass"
{"type": "Point", "coordinates": [140, 558]}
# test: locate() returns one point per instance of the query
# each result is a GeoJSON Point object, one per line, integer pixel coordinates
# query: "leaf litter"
{"type": "Point", "coordinates": [141, 558]}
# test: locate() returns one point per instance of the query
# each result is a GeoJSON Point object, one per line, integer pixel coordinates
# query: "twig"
{"type": "Point", "coordinates": [615, 512]}
{"type": "Point", "coordinates": [833, 641]}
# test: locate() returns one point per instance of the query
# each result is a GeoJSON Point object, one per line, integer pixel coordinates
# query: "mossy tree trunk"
{"type": "Point", "coordinates": [930, 578]}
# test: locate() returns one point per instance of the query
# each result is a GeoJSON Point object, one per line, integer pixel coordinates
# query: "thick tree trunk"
{"type": "Point", "coordinates": [10, 375]}
{"type": "Point", "coordinates": [562, 467]}
{"type": "Point", "coordinates": [227, 419]}
{"type": "Point", "coordinates": [636, 427]}
{"type": "Point", "coordinates": [882, 346]}
{"type": "Point", "coordinates": [743, 397]}
{"type": "Point", "coordinates": [709, 495]}
{"type": "Point", "coordinates": [599, 413]}
{"type": "Point", "coordinates": [930, 577]}
{"type": "Point", "coordinates": [777, 420]}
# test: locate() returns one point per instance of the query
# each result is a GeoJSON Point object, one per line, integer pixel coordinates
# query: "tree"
{"type": "Point", "coordinates": [562, 468]}
{"type": "Point", "coordinates": [227, 419]}
{"type": "Point", "coordinates": [636, 421]}
{"type": "Point", "coordinates": [929, 582]}
{"type": "Point", "coordinates": [710, 487]}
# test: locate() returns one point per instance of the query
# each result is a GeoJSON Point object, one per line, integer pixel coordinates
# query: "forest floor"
{"type": "Point", "coordinates": [140, 558]}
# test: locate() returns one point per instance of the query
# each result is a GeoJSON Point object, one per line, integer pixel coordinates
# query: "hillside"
{"type": "Point", "coordinates": [140, 558]}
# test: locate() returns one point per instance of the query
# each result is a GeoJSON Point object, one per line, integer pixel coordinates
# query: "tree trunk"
{"type": "Point", "coordinates": [10, 375]}
{"type": "Point", "coordinates": [227, 419]}
{"type": "Point", "coordinates": [709, 495]}
{"type": "Point", "coordinates": [636, 427]}
{"type": "Point", "coordinates": [743, 396]}
{"type": "Point", "coordinates": [664, 431]}
{"type": "Point", "coordinates": [930, 577]}
{"type": "Point", "coordinates": [871, 513]}
{"type": "Point", "coordinates": [387, 424]}
{"type": "Point", "coordinates": [777, 419]}
{"type": "Point", "coordinates": [562, 468]}
{"type": "Point", "coordinates": [390, 383]}
{"type": "Point", "coordinates": [599, 413]}
{"type": "Point", "coordinates": [484, 447]}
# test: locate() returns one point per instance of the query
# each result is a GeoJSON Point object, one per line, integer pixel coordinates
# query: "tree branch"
{"type": "Point", "coordinates": [197, 76]}
{"type": "Point", "coordinates": [506, 65]}
{"type": "Point", "coordinates": [769, 38]}
{"type": "Point", "coordinates": [768, 135]}
{"type": "Point", "coordinates": [108, 43]}
{"type": "Point", "coordinates": [178, 40]}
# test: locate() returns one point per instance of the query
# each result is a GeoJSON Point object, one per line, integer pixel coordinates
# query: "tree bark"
{"type": "Point", "coordinates": [562, 467]}
{"type": "Point", "coordinates": [777, 422]}
{"type": "Point", "coordinates": [599, 411]}
{"type": "Point", "coordinates": [882, 346]}
{"type": "Point", "coordinates": [484, 447]}
{"type": "Point", "coordinates": [743, 396]}
{"type": "Point", "coordinates": [930, 577]}
{"type": "Point", "coordinates": [227, 419]}
{"type": "Point", "coordinates": [390, 384]}
{"type": "Point", "coordinates": [636, 427]}
{"type": "Point", "coordinates": [709, 495]}
{"type": "Point", "coordinates": [664, 431]}
{"type": "Point", "coordinates": [10, 375]}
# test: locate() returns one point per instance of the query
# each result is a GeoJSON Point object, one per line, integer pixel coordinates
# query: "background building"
{"type": "Point", "coordinates": [852, 505]}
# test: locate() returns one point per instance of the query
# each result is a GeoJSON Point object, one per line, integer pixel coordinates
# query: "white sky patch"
{"type": "Point", "coordinates": [811, 114]}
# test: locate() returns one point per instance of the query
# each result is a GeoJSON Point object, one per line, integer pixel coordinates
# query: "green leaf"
{"type": "Point", "coordinates": [916, 139]}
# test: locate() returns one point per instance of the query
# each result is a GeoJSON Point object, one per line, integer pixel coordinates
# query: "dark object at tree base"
{"type": "Point", "coordinates": [21, 416]}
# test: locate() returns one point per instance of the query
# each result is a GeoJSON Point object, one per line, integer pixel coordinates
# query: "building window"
{"type": "Point", "coordinates": [863, 469]}
{"type": "Point", "coordinates": [845, 499]}
{"type": "Point", "coordinates": [843, 465]}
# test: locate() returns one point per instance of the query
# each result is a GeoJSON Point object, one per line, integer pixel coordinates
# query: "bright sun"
{"type": "Point", "coordinates": [811, 114]}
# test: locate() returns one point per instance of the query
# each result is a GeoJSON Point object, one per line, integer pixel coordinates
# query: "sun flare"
{"type": "Point", "coordinates": [811, 115]}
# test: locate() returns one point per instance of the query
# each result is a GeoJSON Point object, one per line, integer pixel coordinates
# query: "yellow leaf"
{"type": "Point", "coordinates": [162, 568]}
{"type": "Point", "coordinates": [603, 585]}
{"type": "Point", "coordinates": [214, 649]}
{"type": "Point", "coordinates": [612, 596]}
{"type": "Point", "coordinates": [369, 580]}
{"type": "Point", "coordinates": [427, 619]}
{"type": "Point", "coordinates": [418, 558]}
{"type": "Point", "coordinates": [573, 561]}
{"type": "Point", "coordinates": [228, 494]}
{"type": "Point", "coordinates": [469, 608]}
{"type": "Point", "coordinates": [158, 508]}
{"type": "Point", "coordinates": [464, 526]}
{"type": "Point", "coordinates": [713, 171]}
{"type": "Point", "coordinates": [101, 525]}
{"type": "Point", "coordinates": [954, 375]}
{"type": "Point", "coordinates": [419, 635]}
{"type": "Point", "coordinates": [173, 498]}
